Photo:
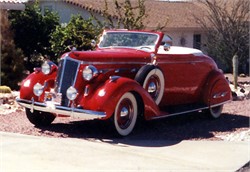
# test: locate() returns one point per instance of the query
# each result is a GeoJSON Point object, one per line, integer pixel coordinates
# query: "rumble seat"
{"type": "Point", "coordinates": [180, 50]}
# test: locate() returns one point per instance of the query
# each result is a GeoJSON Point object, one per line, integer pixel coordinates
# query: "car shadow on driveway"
{"type": "Point", "coordinates": [156, 133]}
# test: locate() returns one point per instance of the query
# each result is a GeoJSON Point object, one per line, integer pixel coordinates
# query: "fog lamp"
{"type": "Point", "coordinates": [38, 89]}
{"type": "Point", "coordinates": [71, 93]}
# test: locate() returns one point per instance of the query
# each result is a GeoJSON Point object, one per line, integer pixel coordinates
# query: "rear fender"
{"type": "Point", "coordinates": [217, 90]}
{"type": "Point", "coordinates": [105, 98]}
{"type": "Point", "coordinates": [26, 89]}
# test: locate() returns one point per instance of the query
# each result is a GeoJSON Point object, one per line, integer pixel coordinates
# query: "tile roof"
{"type": "Point", "coordinates": [13, 1]}
{"type": "Point", "coordinates": [12, 4]}
{"type": "Point", "coordinates": [179, 14]}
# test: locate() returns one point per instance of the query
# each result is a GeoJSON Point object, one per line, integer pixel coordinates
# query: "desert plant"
{"type": "Point", "coordinates": [5, 89]}
{"type": "Point", "coordinates": [227, 26]}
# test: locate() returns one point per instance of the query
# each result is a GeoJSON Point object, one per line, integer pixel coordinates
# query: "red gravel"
{"type": "Point", "coordinates": [195, 126]}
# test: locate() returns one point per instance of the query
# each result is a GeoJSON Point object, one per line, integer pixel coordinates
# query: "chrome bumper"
{"type": "Point", "coordinates": [61, 110]}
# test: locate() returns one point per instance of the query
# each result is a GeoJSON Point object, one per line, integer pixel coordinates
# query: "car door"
{"type": "Point", "coordinates": [184, 77]}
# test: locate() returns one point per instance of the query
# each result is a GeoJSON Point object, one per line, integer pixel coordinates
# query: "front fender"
{"type": "Point", "coordinates": [217, 90]}
{"type": "Point", "coordinates": [26, 89]}
{"type": "Point", "coordinates": [106, 97]}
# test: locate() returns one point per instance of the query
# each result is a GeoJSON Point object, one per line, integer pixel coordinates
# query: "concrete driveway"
{"type": "Point", "coordinates": [34, 154]}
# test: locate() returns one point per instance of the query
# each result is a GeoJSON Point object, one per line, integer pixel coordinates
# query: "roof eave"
{"type": "Point", "coordinates": [12, 6]}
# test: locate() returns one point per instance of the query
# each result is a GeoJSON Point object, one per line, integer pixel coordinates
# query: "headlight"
{"type": "Point", "coordinates": [71, 93]}
{"type": "Point", "coordinates": [89, 72]}
{"type": "Point", "coordinates": [38, 89]}
{"type": "Point", "coordinates": [46, 68]}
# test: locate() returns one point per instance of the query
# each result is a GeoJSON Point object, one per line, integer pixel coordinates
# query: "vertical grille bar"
{"type": "Point", "coordinates": [66, 77]}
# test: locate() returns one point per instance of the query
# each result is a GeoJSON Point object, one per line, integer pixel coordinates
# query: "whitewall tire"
{"type": "Point", "coordinates": [215, 112]}
{"type": "Point", "coordinates": [125, 114]}
{"type": "Point", "coordinates": [152, 80]}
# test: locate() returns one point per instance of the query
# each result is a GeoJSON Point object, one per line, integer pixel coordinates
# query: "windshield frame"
{"type": "Point", "coordinates": [142, 47]}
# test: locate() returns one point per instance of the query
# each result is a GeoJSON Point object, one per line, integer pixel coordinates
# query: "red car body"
{"type": "Point", "coordinates": [145, 78]}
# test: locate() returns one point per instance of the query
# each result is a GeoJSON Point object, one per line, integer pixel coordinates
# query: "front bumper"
{"type": "Point", "coordinates": [61, 110]}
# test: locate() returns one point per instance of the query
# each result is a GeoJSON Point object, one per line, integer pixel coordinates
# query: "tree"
{"type": "Point", "coordinates": [227, 26]}
{"type": "Point", "coordinates": [77, 33]}
{"type": "Point", "coordinates": [128, 15]}
{"type": "Point", "coordinates": [32, 32]}
{"type": "Point", "coordinates": [11, 57]}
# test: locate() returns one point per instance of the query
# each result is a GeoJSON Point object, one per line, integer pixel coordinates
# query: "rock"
{"type": "Point", "coordinates": [242, 75]}
{"type": "Point", "coordinates": [241, 92]}
{"type": "Point", "coordinates": [234, 95]}
{"type": "Point", "coordinates": [8, 103]}
{"type": "Point", "coordinates": [236, 136]}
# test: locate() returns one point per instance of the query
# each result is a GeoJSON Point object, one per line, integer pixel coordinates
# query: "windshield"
{"type": "Point", "coordinates": [128, 39]}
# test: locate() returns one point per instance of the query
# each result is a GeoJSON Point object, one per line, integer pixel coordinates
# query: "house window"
{"type": "Point", "coordinates": [197, 41]}
{"type": "Point", "coordinates": [48, 8]}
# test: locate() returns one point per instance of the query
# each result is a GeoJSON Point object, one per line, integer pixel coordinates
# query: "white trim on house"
{"type": "Point", "coordinates": [12, 6]}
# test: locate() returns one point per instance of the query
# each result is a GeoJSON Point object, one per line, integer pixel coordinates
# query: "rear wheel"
{"type": "Point", "coordinates": [215, 112]}
{"type": "Point", "coordinates": [39, 118]}
{"type": "Point", "coordinates": [125, 115]}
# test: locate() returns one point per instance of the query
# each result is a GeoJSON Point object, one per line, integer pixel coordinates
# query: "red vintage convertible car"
{"type": "Point", "coordinates": [131, 74]}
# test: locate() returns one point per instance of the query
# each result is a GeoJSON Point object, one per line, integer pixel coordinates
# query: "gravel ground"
{"type": "Point", "coordinates": [233, 125]}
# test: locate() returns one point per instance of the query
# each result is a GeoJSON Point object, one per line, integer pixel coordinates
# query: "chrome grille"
{"type": "Point", "coordinates": [66, 77]}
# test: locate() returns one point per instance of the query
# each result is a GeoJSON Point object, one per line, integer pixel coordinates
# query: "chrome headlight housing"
{"type": "Point", "coordinates": [46, 68]}
{"type": "Point", "coordinates": [38, 89]}
{"type": "Point", "coordinates": [89, 73]}
{"type": "Point", "coordinates": [71, 93]}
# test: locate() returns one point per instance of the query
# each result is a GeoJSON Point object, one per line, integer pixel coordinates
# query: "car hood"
{"type": "Point", "coordinates": [112, 54]}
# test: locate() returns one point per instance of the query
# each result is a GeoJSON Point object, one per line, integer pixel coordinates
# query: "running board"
{"type": "Point", "coordinates": [178, 110]}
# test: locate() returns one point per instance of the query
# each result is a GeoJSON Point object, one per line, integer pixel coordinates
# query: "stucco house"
{"type": "Point", "coordinates": [181, 25]}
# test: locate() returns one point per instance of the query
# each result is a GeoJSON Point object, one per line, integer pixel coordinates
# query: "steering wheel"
{"type": "Point", "coordinates": [144, 47]}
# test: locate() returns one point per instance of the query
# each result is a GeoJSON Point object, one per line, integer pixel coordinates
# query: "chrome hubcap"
{"type": "Point", "coordinates": [151, 87]}
{"type": "Point", "coordinates": [124, 112]}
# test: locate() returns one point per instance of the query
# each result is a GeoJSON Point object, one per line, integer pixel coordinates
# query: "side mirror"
{"type": "Point", "coordinates": [167, 42]}
{"type": "Point", "coordinates": [93, 43]}
{"type": "Point", "coordinates": [166, 46]}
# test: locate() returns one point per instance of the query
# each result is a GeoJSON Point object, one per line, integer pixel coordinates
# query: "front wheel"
{"type": "Point", "coordinates": [125, 114]}
{"type": "Point", "coordinates": [215, 112]}
{"type": "Point", "coordinates": [39, 118]}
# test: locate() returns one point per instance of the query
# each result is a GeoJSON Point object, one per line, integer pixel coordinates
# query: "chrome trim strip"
{"type": "Point", "coordinates": [181, 62]}
{"type": "Point", "coordinates": [179, 113]}
{"type": "Point", "coordinates": [62, 72]}
{"type": "Point", "coordinates": [220, 103]}
{"type": "Point", "coordinates": [98, 63]}
{"type": "Point", "coordinates": [70, 112]}
{"type": "Point", "coordinates": [115, 63]}
{"type": "Point", "coordinates": [194, 110]}
{"type": "Point", "coordinates": [77, 70]}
